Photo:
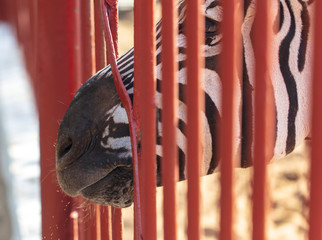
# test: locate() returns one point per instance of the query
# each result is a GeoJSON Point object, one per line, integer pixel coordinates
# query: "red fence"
{"type": "Point", "coordinates": [63, 44]}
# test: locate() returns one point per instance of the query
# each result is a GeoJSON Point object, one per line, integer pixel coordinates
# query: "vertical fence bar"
{"type": "Point", "coordinates": [100, 56]}
{"type": "Point", "coordinates": [88, 43]}
{"type": "Point", "coordinates": [169, 118]}
{"type": "Point", "coordinates": [77, 214]}
{"type": "Point", "coordinates": [106, 230]}
{"type": "Point", "coordinates": [100, 48]}
{"type": "Point", "coordinates": [315, 218]}
{"type": "Point", "coordinates": [74, 228]}
{"type": "Point", "coordinates": [86, 211]}
{"type": "Point", "coordinates": [138, 44]}
{"type": "Point", "coordinates": [117, 224]}
{"type": "Point", "coordinates": [144, 68]}
{"type": "Point", "coordinates": [24, 31]}
{"type": "Point", "coordinates": [231, 56]}
{"type": "Point", "coordinates": [3, 9]}
{"type": "Point", "coordinates": [55, 68]}
{"type": "Point", "coordinates": [111, 20]}
{"type": "Point", "coordinates": [77, 47]}
{"type": "Point", "coordinates": [263, 145]}
{"type": "Point", "coordinates": [194, 28]}
{"type": "Point", "coordinates": [33, 36]}
{"type": "Point", "coordinates": [97, 221]}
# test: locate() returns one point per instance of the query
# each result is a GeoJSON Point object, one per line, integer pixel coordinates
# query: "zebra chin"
{"type": "Point", "coordinates": [116, 189]}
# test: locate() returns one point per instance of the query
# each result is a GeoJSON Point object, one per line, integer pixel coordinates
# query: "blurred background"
{"type": "Point", "coordinates": [20, 209]}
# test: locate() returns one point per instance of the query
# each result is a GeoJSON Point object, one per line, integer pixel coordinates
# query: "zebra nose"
{"type": "Point", "coordinates": [64, 146]}
{"type": "Point", "coordinates": [64, 150]}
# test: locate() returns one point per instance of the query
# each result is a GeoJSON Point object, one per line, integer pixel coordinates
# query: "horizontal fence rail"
{"type": "Point", "coordinates": [66, 42]}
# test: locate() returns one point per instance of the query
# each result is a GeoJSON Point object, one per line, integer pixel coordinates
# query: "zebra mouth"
{"type": "Point", "coordinates": [115, 189]}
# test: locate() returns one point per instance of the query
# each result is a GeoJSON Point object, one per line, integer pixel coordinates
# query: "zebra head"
{"type": "Point", "coordinates": [93, 150]}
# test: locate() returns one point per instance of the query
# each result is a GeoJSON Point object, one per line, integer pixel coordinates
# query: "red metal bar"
{"type": "Point", "coordinates": [33, 36]}
{"type": "Point", "coordinates": [195, 102]}
{"type": "Point", "coordinates": [106, 230]}
{"type": "Point", "coordinates": [55, 68]}
{"type": "Point", "coordinates": [77, 213]}
{"type": "Point", "coordinates": [263, 145]}
{"type": "Point", "coordinates": [138, 45]}
{"type": "Point", "coordinates": [3, 10]}
{"type": "Point", "coordinates": [88, 42]}
{"type": "Point", "coordinates": [113, 20]}
{"type": "Point", "coordinates": [231, 56]}
{"type": "Point", "coordinates": [169, 118]}
{"type": "Point", "coordinates": [100, 55]}
{"type": "Point", "coordinates": [77, 47]}
{"type": "Point", "coordinates": [24, 31]}
{"type": "Point", "coordinates": [74, 230]}
{"type": "Point", "coordinates": [117, 216]}
{"type": "Point", "coordinates": [148, 118]}
{"type": "Point", "coordinates": [85, 67]}
{"type": "Point", "coordinates": [18, 21]}
{"type": "Point", "coordinates": [98, 221]}
{"type": "Point", "coordinates": [100, 48]}
{"type": "Point", "coordinates": [117, 224]}
{"type": "Point", "coordinates": [117, 213]}
{"type": "Point", "coordinates": [315, 219]}
{"type": "Point", "coordinates": [13, 14]}
{"type": "Point", "coordinates": [144, 63]}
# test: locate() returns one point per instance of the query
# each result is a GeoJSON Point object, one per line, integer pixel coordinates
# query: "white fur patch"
{"type": "Point", "coordinates": [117, 143]}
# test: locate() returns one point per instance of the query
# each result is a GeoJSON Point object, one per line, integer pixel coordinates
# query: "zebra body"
{"type": "Point", "coordinates": [291, 49]}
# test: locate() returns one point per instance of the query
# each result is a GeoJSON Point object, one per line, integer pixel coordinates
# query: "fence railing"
{"type": "Point", "coordinates": [63, 44]}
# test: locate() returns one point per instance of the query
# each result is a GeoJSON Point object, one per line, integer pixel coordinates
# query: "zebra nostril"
{"type": "Point", "coordinates": [65, 147]}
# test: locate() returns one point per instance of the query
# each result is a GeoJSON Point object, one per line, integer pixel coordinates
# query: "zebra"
{"type": "Point", "coordinates": [93, 150]}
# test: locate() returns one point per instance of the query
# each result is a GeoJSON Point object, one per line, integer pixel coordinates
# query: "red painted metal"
{"type": "Point", "coordinates": [77, 47]}
{"type": "Point", "coordinates": [87, 41]}
{"type": "Point", "coordinates": [3, 8]}
{"type": "Point", "coordinates": [264, 120]}
{"type": "Point", "coordinates": [125, 99]}
{"type": "Point", "coordinates": [194, 28]}
{"type": "Point", "coordinates": [106, 229]}
{"type": "Point", "coordinates": [147, 63]}
{"type": "Point", "coordinates": [100, 55]}
{"type": "Point", "coordinates": [169, 118]}
{"type": "Point", "coordinates": [23, 20]}
{"type": "Point", "coordinates": [84, 68]}
{"type": "Point", "coordinates": [100, 45]}
{"type": "Point", "coordinates": [117, 214]}
{"type": "Point", "coordinates": [12, 14]}
{"type": "Point", "coordinates": [138, 45]}
{"type": "Point", "coordinates": [33, 36]}
{"type": "Point", "coordinates": [74, 230]}
{"type": "Point", "coordinates": [111, 8]}
{"type": "Point", "coordinates": [231, 56]}
{"type": "Point", "coordinates": [315, 219]}
{"type": "Point", "coordinates": [117, 224]}
{"type": "Point", "coordinates": [55, 68]}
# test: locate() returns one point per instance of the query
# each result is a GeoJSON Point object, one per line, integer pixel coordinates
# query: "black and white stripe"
{"type": "Point", "coordinates": [291, 79]}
